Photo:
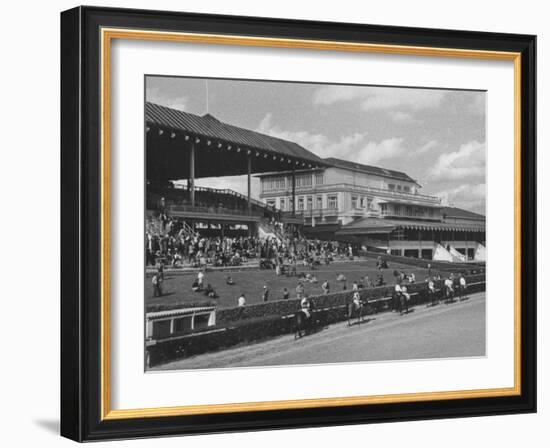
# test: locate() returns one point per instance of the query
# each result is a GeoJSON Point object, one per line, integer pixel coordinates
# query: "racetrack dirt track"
{"type": "Point", "coordinates": [442, 331]}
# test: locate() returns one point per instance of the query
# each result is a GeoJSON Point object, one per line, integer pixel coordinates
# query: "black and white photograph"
{"type": "Point", "coordinates": [292, 223]}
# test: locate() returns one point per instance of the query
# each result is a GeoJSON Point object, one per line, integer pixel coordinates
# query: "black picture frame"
{"type": "Point", "coordinates": [81, 224]}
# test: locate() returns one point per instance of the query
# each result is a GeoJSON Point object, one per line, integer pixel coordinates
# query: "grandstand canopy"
{"type": "Point", "coordinates": [218, 149]}
{"type": "Point", "coordinates": [380, 225]}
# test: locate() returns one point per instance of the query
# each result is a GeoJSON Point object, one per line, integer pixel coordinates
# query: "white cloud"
{"type": "Point", "coordinates": [428, 146]}
{"type": "Point", "coordinates": [402, 117]}
{"type": "Point", "coordinates": [376, 98]}
{"type": "Point", "coordinates": [467, 162]}
{"type": "Point", "coordinates": [468, 196]}
{"type": "Point", "coordinates": [158, 96]}
{"type": "Point", "coordinates": [356, 146]}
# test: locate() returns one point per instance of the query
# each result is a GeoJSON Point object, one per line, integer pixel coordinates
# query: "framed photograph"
{"type": "Point", "coordinates": [276, 224]}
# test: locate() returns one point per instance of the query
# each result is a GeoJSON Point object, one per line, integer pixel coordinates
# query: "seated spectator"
{"type": "Point", "coordinates": [241, 301]}
{"type": "Point", "coordinates": [340, 278]}
{"type": "Point", "coordinates": [210, 292]}
{"type": "Point", "coordinates": [195, 286]}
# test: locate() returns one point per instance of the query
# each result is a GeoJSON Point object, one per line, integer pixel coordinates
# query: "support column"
{"type": "Point", "coordinates": [419, 243]}
{"type": "Point", "coordinates": [466, 244]}
{"type": "Point", "coordinates": [293, 192]}
{"type": "Point", "coordinates": [452, 237]}
{"type": "Point", "coordinates": [192, 173]}
{"type": "Point", "coordinates": [249, 172]}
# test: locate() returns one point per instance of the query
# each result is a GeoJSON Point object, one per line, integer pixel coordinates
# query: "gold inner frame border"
{"type": "Point", "coordinates": [107, 35]}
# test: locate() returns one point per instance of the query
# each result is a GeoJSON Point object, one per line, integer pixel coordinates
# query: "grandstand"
{"type": "Point", "coordinates": [183, 147]}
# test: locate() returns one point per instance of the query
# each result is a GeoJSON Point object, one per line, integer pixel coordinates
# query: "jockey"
{"type": "Point", "coordinates": [357, 299]}
{"type": "Point", "coordinates": [449, 287]}
{"type": "Point", "coordinates": [305, 304]}
{"type": "Point", "coordinates": [462, 283]}
{"type": "Point", "coordinates": [397, 297]}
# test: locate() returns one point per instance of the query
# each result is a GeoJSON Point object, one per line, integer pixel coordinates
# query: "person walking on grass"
{"type": "Point", "coordinates": [300, 291]}
{"type": "Point", "coordinates": [157, 289]}
{"type": "Point", "coordinates": [265, 294]}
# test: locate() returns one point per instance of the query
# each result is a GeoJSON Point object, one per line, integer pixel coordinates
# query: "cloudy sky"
{"type": "Point", "coordinates": [435, 136]}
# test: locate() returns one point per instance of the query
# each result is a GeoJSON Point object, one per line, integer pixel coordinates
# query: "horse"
{"type": "Point", "coordinates": [400, 302]}
{"type": "Point", "coordinates": [352, 307]}
{"type": "Point", "coordinates": [304, 325]}
{"type": "Point", "coordinates": [449, 294]}
{"type": "Point", "coordinates": [462, 293]}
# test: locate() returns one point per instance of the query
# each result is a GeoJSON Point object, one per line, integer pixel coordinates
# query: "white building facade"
{"type": "Point", "coordinates": [378, 208]}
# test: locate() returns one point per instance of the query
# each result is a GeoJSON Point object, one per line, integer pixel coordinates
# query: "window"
{"type": "Point", "coordinates": [319, 204]}
{"type": "Point", "coordinates": [409, 210]}
{"type": "Point", "coordinates": [310, 202]}
{"type": "Point", "coordinates": [399, 187]}
{"type": "Point", "coordinates": [304, 180]}
{"type": "Point", "coordinates": [300, 203]}
{"type": "Point", "coordinates": [391, 187]}
{"type": "Point", "coordinates": [354, 202]}
{"type": "Point", "coordinates": [407, 189]}
{"type": "Point", "coordinates": [362, 202]}
{"type": "Point", "coordinates": [319, 178]}
{"type": "Point", "coordinates": [332, 202]}
{"type": "Point", "coordinates": [368, 203]}
{"type": "Point", "coordinates": [397, 209]}
{"type": "Point", "coordinates": [282, 202]}
{"type": "Point", "coordinates": [273, 183]}
{"type": "Point", "coordinates": [383, 209]}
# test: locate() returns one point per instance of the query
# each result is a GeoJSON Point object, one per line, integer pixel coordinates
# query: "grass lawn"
{"type": "Point", "coordinates": [177, 288]}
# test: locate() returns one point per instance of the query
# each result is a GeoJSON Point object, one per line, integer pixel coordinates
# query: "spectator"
{"type": "Point", "coordinates": [200, 279]}
{"type": "Point", "coordinates": [286, 294]}
{"type": "Point", "coordinates": [300, 290]}
{"type": "Point", "coordinates": [340, 278]}
{"type": "Point", "coordinates": [241, 301]}
{"type": "Point", "coordinates": [265, 294]}
{"type": "Point", "coordinates": [157, 289]}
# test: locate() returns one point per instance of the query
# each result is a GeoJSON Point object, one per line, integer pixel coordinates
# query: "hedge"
{"type": "Point", "coordinates": [261, 321]}
{"type": "Point", "coordinates": [458, 268]}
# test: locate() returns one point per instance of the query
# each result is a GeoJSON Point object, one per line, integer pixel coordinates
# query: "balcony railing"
{"type": "Point", "coordinates": [360, 189]}
{"type": "Point", "coordinates": [318, 213]}
{"type": "Point", "coordinates": [175, 209]}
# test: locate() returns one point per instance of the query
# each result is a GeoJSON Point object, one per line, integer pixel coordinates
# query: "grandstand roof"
{"type": "Point", "coordinates": [369, 169]}
{"type": "Point", "coordinates": [380, 225]}
{"type": "Point", "coordinates": [455, 212]}
{"type": "Point", "coordinates": [221, 149]}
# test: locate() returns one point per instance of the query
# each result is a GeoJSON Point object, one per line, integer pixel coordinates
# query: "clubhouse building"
{"type": "Point", "coordinates": [380, 209]}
